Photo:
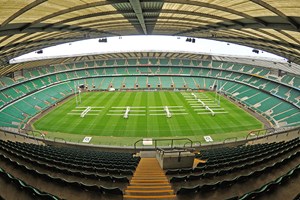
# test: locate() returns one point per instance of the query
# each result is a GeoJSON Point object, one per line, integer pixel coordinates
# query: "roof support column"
{"type": "Point", "coordinates": [136, 5]}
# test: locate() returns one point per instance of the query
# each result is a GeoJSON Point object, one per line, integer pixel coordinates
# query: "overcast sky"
{"type": "Point", "coordinates": [144, 43]}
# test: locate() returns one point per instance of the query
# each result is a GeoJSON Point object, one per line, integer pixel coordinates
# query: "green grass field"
{"type": "Point", "coordinates": [146, 119]}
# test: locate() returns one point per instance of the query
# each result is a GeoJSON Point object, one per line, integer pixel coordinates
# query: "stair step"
{"type": "Point", "coordinates": [149, 177]}
{"type": "Point", "coordinates": [152, 184]}
{"type": "Point", "coordinates": [148, 187]}
{"type": "Point", "coordinates": [149, 181]}
{"type": "Point", "coordinates": [172, 196]}
{"type": "Point", "coordinates": [148, 191]}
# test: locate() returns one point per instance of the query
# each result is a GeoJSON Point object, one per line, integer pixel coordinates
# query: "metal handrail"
{"type": "Point", "coordinates": [230, 138]}
{"type": "Point", "coordinates": [281, 131]}
{"type": "Point", "coordinates": [60, 139]}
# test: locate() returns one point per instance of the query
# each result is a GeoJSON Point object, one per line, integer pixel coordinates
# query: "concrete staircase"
{"type": "Point", "coordinates": [149, 182]}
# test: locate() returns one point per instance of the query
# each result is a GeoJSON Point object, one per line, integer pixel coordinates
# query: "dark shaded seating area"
{"type": "Point", "coordinates": [241, 172]}
{"type": "Point", "coordinates": [9, 184]}
{"type": "Point", "coordinates": [82, 174]}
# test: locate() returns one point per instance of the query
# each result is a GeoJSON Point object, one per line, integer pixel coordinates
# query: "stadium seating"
{"type": "Point", "coordinates": [18, 187]}
{"type": "Point", "coordinates": [244, 172]}
{"type": "Point", "coordinates": [21, 111]}
{"type": "Point", "coordinates": [238, 82]}
{"type": "Point", "coordinates": [70, 167]}
{"type": "Point", "coordinates": [237, 172]}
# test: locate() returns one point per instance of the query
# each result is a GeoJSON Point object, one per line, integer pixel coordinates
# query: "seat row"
{"type": "Point", "coordinates": [237, 180]}
{"type": "Point", "coordinates": [193, 177]}
{"type": "Point", "coordinates": [105, 163]}
{"type": "Point", "coordinates": [245, 159]}
{"type": "Point", "coordinates": [223, 154]}
{"type": "Point", "coordinates": [201, 167]}
{"type": "Point", "coordinates": [34, 193]}
{"type": "Point", "coordinates": [237, 152]}
{"type": "Point", "coordinates": [81, 167]}
{"type": "Point", "coordinates": [62, 182]}
{"type": "Point", "coordinates": [80, 174]}
{"type": "Point", "coordinates": [219, 154]}
{"type": "Point", "coordinates": [75, 153]}
{"type": "Point", "coordinates": [271, 186]}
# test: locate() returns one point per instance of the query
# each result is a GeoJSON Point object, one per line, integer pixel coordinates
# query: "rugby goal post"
{"type": "Point", "coordinates": [167, 111]}
{"type": "Point", "coordinates": [126, 112]}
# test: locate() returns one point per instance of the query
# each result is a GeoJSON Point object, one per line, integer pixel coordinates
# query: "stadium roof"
{"type": "Point", "coordinates": [269, 25]}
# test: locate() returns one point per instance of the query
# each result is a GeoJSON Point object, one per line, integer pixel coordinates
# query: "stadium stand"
{"type": "Point", "coordinates": [237, 172]}
{"type": "Point", "coordinates": [247, 85]}
{"type": "Point", "coordinates": [105, 173]}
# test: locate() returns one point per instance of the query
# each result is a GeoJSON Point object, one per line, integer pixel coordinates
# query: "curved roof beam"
{"type": "Point", "coordinates": [145, 11]}
{"type": "Point", "coordinates": [217, 7]}
{"type": "Point", "coordinates": [277, 12]}
{"type": "Point", "coordinates": [50, 28]}
{"type": "Point", "coordinates": [72, 9]}
{"type": "Point", "coordinates": [23, 10]}
{"type": "Point", "coordinates": [276, 26]}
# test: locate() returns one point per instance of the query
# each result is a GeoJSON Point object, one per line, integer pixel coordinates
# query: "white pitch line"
{"type": "Point", "coordinates": [200, 109]}
{"type": "Point", "coordinates": [95, 110]}
{"type": "Point", "coordinates": [137, 111]}
{"type": "Point", "coordinates": [158, 114]}
{"type": "Point", "coordinates": [164, 106]}
{"type": "Point", "coordinates": [91, 107]}
{"type": "Point", "coordinates": [156, 111]}
{"type": "Point", "coordinates": [119, 107]}
{"type": "Point", "coordinates": [180, 114]}
{"type": "Point", "coordinates": [79, 114]}
{"type": "Point", "coordinates": [178, 110]}
{"type": "Point", "coordinates": [136, 114]}
{"type": "Point", "coordinates": [156, 106]}
{"type": "Point", "coordinates": [220, 112]}
{"type": "Point", "coordinates": [137, 107]}
{"type": "Point", "coordinates": [129, 106]}
{"type": "Point", "coordinates": [116, 110]}
{"type": "Point", "coordinates": [114, 114]}
{"type": "Point", "coordinates": [208, 113]}
{"type": "Point", "coordinates": [200, 106]}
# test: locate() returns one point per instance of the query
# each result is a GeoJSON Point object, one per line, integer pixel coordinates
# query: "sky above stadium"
{"type": "Point", "coordinates": [145, 43]}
